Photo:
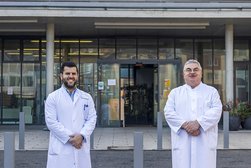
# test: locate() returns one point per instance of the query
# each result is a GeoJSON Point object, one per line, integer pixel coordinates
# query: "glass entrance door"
{"type": "Point", "coordinates": [108, 95]}
{"type": "Point", "coordinates": [169, 77]}
{"type": "Point", "coordinates": [132, 94]}
{"type": "Point", "coordinates": [242, 85]}
{"type": "Point", "coordinates": [137, 94]}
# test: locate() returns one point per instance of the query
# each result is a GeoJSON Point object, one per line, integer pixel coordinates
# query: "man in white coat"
{"type": "Point", "coordinates": [193, 111]}
{"type": "Point", "coordinates": [71, 118]}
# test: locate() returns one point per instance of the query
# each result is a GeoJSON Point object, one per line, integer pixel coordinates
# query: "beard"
{"type": "Point", "coordinates": [69, 86]}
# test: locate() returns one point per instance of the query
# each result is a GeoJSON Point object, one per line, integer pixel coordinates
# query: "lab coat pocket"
{"type": "Point", "coordinates": [86, 146]}
{"type": "Point", "coordinates": [54, 146]}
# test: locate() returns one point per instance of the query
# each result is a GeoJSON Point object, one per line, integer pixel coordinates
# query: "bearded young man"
{"type": "Point", "coordinates": [193, 111]}
{"type": "Point", "coordinates": [71, 118]}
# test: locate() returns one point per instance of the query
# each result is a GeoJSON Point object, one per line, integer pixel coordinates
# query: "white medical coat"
{"type": "Point", "coordinates": [65, 117]}
{"type": "Point", "coordinates": [186, 104]}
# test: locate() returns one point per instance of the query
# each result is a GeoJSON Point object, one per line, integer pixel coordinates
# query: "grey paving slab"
{"type": "Point", "coordinates": [121, 138]}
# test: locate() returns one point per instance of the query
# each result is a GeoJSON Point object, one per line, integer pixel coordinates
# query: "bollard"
{"type": "Point", "coordinates": [226, 128]}
{"type": "Point", "coordinates": [21, 130]}
{"type": "Point", "coordinates": [9, 150]}
{"type": "Point", "coordinates": [138, 150]}
{"type": "Point", "coordinates": [159, 130]}
{"type": "Point", "coordinates": [92, 140]}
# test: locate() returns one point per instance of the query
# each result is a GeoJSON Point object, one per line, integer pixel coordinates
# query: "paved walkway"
{"type": "Point", "coordinates": [124, 158]}
{"type": "Point", "coordinates": [119, 138]}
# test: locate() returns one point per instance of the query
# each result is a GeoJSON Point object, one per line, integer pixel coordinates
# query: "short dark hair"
{"type": "Point", "coordinates": [68, 64]}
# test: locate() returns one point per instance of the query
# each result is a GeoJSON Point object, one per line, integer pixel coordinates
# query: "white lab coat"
{"type": "Point", "coordinates": [65, 117]}
{"type": "Point", "coordinates": [186, 104]}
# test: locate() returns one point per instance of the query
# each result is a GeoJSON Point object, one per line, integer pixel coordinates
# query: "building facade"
{"type": "Point", "coordinates": [130, 54]}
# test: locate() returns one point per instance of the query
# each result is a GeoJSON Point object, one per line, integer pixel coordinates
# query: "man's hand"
{"type": "Point", "coordinates": [76, 140]}
{"type": "Point", "coordinates": [192, 127]}
{"type": "Point", "coordinates": [195, 133]}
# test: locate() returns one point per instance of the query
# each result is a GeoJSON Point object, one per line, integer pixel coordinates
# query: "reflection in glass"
{"type": "Point", "coordinates": [11, 92]}
{"type": "Point", "coordinates": [57, 64]}
{"type": "Point", "coordinates": [43, 52]}
{"type": "Point", "coordinates": [126, 48]}
{"type": "Point", "coordinates": [107, 48]}
{"type": "Point", "coordinates": [242, 83]}
{"type": "Point", "coordinates": [56, 76]}
{"type": "Point", "coordinates": [109, 95]}
{"type": "Point", "coordinates": [166, 49]}
{"type": "Point", "coordinates": [31, 93]}
{"type": "Point", "coordinates": [219, 67]}
{"type": "Point", "coordinates": [184, 49]}
{"type": "Point", "coordinates": [241, 50]}
{"type": "Point", "coordinates": [12, 50]}
{"type": "Point", "coordinates": [43, 90]}
{"type": "Point", "coordinates": [88, 50]}
{"type": "Point", "coordinates": [69, 50]}
{"type": "Point", "coordinates": [147, 48]}
{"type": "Point", "coordinates": [126, 81]}
{"type": "Point", "coordinates": [203, 52]}
{"type": "Point", "coordinates": [30, 50]}
{"type": "Point", "coordinates": [168, 79]}
{"type": "Point", "coordinates": [87, 78]}
{"type": "Point", "coordinates": [1, 79]}
{"type": "Point", "coordinates": [57, 52]}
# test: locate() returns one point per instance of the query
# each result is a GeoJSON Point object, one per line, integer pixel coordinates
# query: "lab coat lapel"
{"type": "Point", "coordinates": [76, 97]}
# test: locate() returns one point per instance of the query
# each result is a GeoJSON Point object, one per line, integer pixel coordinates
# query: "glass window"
{"type": "Point", "coordinates": [57, 63]}
{"type": "Point", "coordinates": [242, 79]}
{"type": "Point", "coordinates": [88, 67]}
{"type": "Point", "coordinates": [107, 48]}
{"type": "Point", "coordinates": [57, 51]}
{"type": "Point", "coordinates": [88, 50]}
{"type": "Point", "coordinates": [109, 95]}
{"type": "Point", "coordinates": [86, 77]}
{"type": "Point", "coordinates": [0, 65]}
{"type": "Point", "coordinates": [12, 50]}
{"type": "Point", "coordinates": [241, 50]}
{"type": "Point", "coordinates": [126, 48]}
{"type": "Point", "coordinates": [168, 79]}
{"type": "Point", "coordinates": [1, 80]}
{"type": "Point", "coordinates": [11, 92]}
{"type": "Point", "coordinates": [31, 50]}
{"type": "Point", "coordinates": [43, 83]}
{"type": "Point", "coordinates": [204, 53]}
{"type": "Point", "coordinates": [184, 49]}
{"type": "Point", "coordinates": [30, 92]}
{"type": "Point", "coordinates": [219, 66]}
{"type": "Point", "coordinates": [166, 49]}
{"type": "Point", "coordinates": [43, 51]}
{"type": "Point", "coordinates": [147, 49]}
{"type": "Point", "coordinates": [70, 50]}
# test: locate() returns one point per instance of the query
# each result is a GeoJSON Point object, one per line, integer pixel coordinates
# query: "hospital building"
{"type": "Point", "coordinates": [130, 53]}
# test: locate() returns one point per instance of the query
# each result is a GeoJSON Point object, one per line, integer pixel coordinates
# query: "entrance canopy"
{"type": "Point", "coordinates": [136, 18]}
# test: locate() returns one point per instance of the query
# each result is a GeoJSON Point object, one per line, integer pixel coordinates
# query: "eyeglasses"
{"type": "Point", "coordinates": [189, 70]}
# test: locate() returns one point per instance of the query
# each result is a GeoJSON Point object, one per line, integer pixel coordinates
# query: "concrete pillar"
{"type": "Point", "coordinates": [229, 40]}
{"type": "Point", "coordinates": [49, 57]}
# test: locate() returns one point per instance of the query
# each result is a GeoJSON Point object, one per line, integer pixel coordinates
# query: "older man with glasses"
{"type": "Point", "coordinates": [193, 111]}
